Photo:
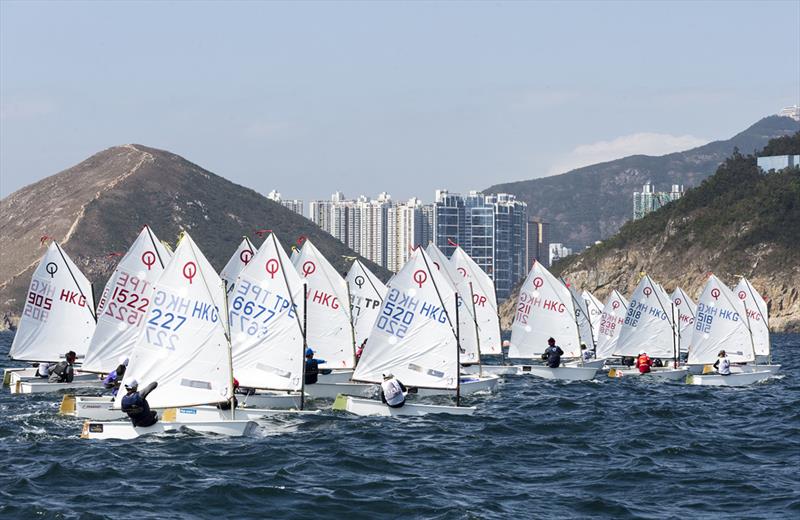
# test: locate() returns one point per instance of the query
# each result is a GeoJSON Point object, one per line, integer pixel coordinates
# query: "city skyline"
{"type": "Point", "coordinates": [372, 91]}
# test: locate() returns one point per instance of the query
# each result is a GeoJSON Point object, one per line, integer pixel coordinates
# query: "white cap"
{"type": "Point", "coordinates": [642, 352]}
{"type": "Point", "coordinates": [133, 383]}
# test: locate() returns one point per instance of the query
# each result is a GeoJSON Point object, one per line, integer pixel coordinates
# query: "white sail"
{"type": "Point", "coordinates": [685, 310]}
{"type": "Point", "coordinates": [719, 325]}
{"type": "Point", "coordinates": [266, 311]}
{"type": "Point", "coordinates": [329, 329]}
{"type": "Point", "coordinates": [58, 315]}
{"type": "Point", "coordinates": [241, 257]}
{"type": "Point", "coordinates": [124, 303]}
{"type": "Point", "coordinates": [184, 346]}
{"type": "Point", "coordinates": [484, 302]}
{"type": "Point", "coordinates": [611, 324]}
{"type": "Point", "coordinates": [648, 323]}
{"type": "Point", "coordinates": [467, 327]}
{"type": "Point", "coordinates": [757, 315]}
{"type": "Point", "coordinates": [366, 295]}
{"type": "Point", "coordinates": [583, 318]}
{"type": "Point", "coordinates": [414, 336]}
{"type": "Point", "coordinates": [595, 312]}
{"type": "Point", "coordinates": [544, 310]}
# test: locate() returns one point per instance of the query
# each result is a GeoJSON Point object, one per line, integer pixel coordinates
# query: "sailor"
{"type": "Point", "coordinates": [43, 370]}
{"type": "Point", "coordinates": [587, 354]}
{"type": "Point", "coordinates": [135, 404]}
{"type": "Point", "coordinates": [63, 372]}
{"type": "Point", "coordinates": [552, 354]}
{"type": "Point", "coordinates": [643, 362]}
{"type": "Point", "coordinates": [114, 379]}
{"type": "Point", "coordinates": [393, 392]}
{"type": "Point", "coordinates": [226, 405]}
{"type": "Point", "coordinates": [723, 364]}
{"type": "Point", "coordinates": [360, 350]}
{"type": "Point", "coordinates": [312, 367]}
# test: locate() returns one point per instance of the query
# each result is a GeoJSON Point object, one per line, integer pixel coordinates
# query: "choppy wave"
{"type": "Point", "coordinates": [612, 448]}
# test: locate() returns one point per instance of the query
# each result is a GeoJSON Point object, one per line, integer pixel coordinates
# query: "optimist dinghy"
{"type": "Point", "coordinates": [415, 338]}
{"type": "Point", "coordinates": [650, 325]}
{"type": "Point", "coordinates": [722, 323]}
{"type": "Point", "coordinates": [545, 309]}
{"type": "Point", "coordinates": [185, 347]}
{"type": "Point", "coordinates": [58, 316]}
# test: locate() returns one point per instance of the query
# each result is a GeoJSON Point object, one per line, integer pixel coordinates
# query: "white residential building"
{"type": "Point", "coordinates": [295, 205]}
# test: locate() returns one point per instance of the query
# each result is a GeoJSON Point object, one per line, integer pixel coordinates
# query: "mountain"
{"type": "Point", "coordinates": [738, 222]}
{"type": "Point", "coordinates": [591, 203]}
{"type": "Point", "coordinates": [99, 206]}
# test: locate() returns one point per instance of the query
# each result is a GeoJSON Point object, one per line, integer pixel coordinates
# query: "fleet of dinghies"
{"type": "Point", "coordinates": [434, 326]}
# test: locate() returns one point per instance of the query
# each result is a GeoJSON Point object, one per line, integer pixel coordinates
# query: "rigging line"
{"type": "Point", "coordinates": [155, 247]}
{"type": "Point", "coordinates": [369, 279]}
{"type": "Point", "coordinates": [446, 313]}
{"type": "Point", "coordinates": [89, 307]}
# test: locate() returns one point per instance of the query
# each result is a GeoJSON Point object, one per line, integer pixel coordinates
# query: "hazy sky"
{"type": "Point", "coordinates": [311, 97]}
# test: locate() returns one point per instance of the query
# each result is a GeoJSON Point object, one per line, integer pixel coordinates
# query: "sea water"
{"type": "Point", "coordinates": [608, 448]}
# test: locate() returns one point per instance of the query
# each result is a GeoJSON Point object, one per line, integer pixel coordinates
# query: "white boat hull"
{"type": "Point", "coordinates": [338, 375]}
{"type": "Point", "coordinates": [90, 407]}
{"type": "Point", "coordinates": [28, 375]}
{"type": "Point", "coordinates": [283, 401]}
{"type": "Point", "coordinates": [489, 370]}
{"type": "Point", "coordinates": [40, 387]}
{"type": "Point", "coordinates": [560, 373]}
{"type": "Point", "coordinates": [740, 379]}
{"type": "Point", "coordinates": [359, 406]}
{"type": "Point", "coordinates": [212, 413]}
{"type": "Point", "coordinates": [331, 390]}
{"type": "Point", "coordinates": [591, 363]}
{"type": "Point", "coordinates": [735, 369]}
{"type": "Point", "coordinates": [664, 373]}
{"type": "Point", "coordinates": [469, 385]}
{"type": "Point", "coordinates": [125, 430]}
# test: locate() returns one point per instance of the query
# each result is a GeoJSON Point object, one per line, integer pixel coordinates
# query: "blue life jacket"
{"type": "Point", "coordinates": [136, 407]}
{"type": "Point", "coordinates": [312, 371]}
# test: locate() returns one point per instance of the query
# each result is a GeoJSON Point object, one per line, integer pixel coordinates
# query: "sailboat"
{"type": "Point", "coordinates": [585, 330]}
{"type": "Point", "coordinates": [468, 327]}
{"type": "Point", "coordinates": [722, 324]}
{"type": "Point", "coordinates": [415, 338]}
{"type": "Point", "coordinates": [611, 321]}
{"type": "Point", "coordinates": [758, 319]}
{"type": "Point", "coordinates": [330, 329]}
{"type": "Point", "coordinates": [186, 348]}
{"type": "Point", "coordinates": [121, 313]}
{"type": "Point", "coordinates": [484, 306]}
{"type": "Point", "coordinates": [241, 257]}
{"type": "Point", "coordinates": [595, 313]}
{"type": "Point", "coordinates": [651, 326]}
{"type": "Point", "coordinates": [545, 309]}
{"type": "Point", "coordinates": [58, 316]}
{"type": "Point", "coordinates": [366, 295]}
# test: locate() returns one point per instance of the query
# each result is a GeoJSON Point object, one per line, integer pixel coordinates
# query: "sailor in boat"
{"type": "Point", "coordinates": [360, 350]}
{"type": "Point", "coordinates": [723, 364]}
{"type": "Point", "coordinates": [658, 363]}
{"type": "Point", "coordinates": [43, 370]}
{"type": "Point", "coordinates": [587, 354]}
{"type": "Point", "coordinates": [135, 404]}
{"type": "Point", "coordinates": [226, 405]}
{"type": "Point", "coordinates": [643, 362]}
{"type": "Point", "coordinates": [114, 378]}
{"type": "Point", "coordinates": [63, 372]}
{"type": "Point", "coordinates": [312, 367]}
{"type": "Point", "coordinates": [552, 354]}
{"type": "Point", "coordinates": [393, 392]}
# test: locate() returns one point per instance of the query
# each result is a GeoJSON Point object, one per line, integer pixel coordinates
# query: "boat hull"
{"type": "Point", "coordinates": [282, 401]}
{"type": "Point", "coordinates": [469, 385]}
{"type": "Point", "coordinates": [337, 375]}
{"type": "Point", "coordinates": [103, 430]}
{"type": "Point", "coordinates": [489, 370]}
{"type": "Point", "coordinates": [192, 414]}
{"type": "Point", "coordinates": [371, 407]}
{"type": "Point", "coordinates": [591, 363]}
{"type": "Point", "coordinates": [740, 379]}
{"type": "Point", "coordinates": [331, 390]}
{"type": "Point", "coordinates": [41, 387]}
{"type": "Point", "coordinates": [28, 375]}
{"type": "Point", "coordinates": [560, 373]}
{"type": "Point", "coordinates": [665, 373]}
